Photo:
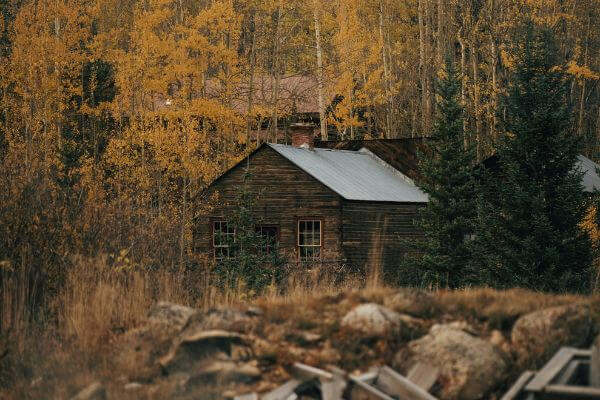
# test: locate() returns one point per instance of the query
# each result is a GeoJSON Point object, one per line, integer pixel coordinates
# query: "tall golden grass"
{"type": "Point", "coordinates": [101, 297]}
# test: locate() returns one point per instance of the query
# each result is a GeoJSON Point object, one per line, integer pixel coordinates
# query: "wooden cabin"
{"type": "Point", "coordinates": [318, 203]}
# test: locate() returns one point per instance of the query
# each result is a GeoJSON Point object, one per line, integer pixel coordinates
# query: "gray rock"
{"type": "Point", "coordinates": [94, 391]}
{"type": "Point", "coordinates": [375, 319]}
{"type": "Point", "coordinates": [540, 334]}
{"type": "Point", "coordinates": [221, 318]}
{"type": "Point", "coordinates": [412, 301]}
{"type": "Point", "coordinates": [469, 366]}
{"type": "Point", "coordinates": [171, 314]}
{"type": "Point", "coordinates": [192, 350]}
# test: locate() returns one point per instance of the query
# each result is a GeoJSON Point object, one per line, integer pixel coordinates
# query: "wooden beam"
{"type": "Point", "coordinates": [423, 375]}
{"type": "Point", "coordinates": [565, 377]}
{"type": "Point", "coordinates": [368, 377]}
{"type": "Point", "coordinates": [594, 377]}
{"type": "Point", "coordinates": [249, 396]}
{"type": "Point", "coordinates": [363, 391]}
{"type": "Point", "coordinates": [397, 385]}
{"type": "Point", "coordinates": [563, 392]}
{"type": "Point", "coordinates": [551, 369]}
{"type": "Point", "coordinates": [283, 392]}
{"type": "Point", "coordinates": [304, 371]}
{"type": "Point", "coordinates": [515, 390]}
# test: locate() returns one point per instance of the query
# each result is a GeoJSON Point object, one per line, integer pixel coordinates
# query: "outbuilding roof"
{"type": "Point", "coordinates": [590, 179]}
{"type": "Point", "coordinates": [354, 175]}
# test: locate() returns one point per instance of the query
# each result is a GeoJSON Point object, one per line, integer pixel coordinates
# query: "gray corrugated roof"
{"type": "Point", "coordinates": [590, 179]}
{"type": "Point", "coordinates": [354, 175]}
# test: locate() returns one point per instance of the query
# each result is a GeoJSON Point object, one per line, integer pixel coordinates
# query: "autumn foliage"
{"type": "Point", "coordinates": [116, 114]}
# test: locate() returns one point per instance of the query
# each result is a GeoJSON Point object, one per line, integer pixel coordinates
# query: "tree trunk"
{"type": "Point", "coordinates": [386, 70]}
{"type": "Point", "coordinates": [463, 90]}
{"type": "Point", "coordinates": [322, 121]}
{"type": "Point", "coordinates": [476, 101]}
{"type": "Point", "coordinates": [441, 33]}
{"type": "Point", "coordinates": [429, 60]}
{"type": "Point", "coordinates": [422, 72]}
{"type": "Point", "coordinates": [252, 62]}
{"type": "Point", "coordinates": [494, 64]}
{"type": "Point", "coordinates": [276, 75]}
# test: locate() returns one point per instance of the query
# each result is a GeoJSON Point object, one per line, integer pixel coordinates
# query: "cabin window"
{"type": "Point", "coordinates": [223, 235]}
{"type": "Point", "coordinates": [270, 236]}
{"type": "Point", "coordinates": [309, 239]}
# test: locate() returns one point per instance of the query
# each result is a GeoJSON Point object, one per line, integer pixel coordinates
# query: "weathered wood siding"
{"type": "Point", "coordinates": [286, 193]}
{"type": "Point", "coordinates": [373, 232]}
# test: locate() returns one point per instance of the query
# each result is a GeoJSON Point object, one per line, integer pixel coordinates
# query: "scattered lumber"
{"type": "Point", "coordinates": [336, 384]}
{"type": "Point", "coordinates": [423, 375]}
{"type": "Point", "coordinates": [571, 373]}
{"type": "Point", "coordinates": [397, 385]}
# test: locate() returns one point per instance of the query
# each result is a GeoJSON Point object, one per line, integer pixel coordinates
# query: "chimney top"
{"type": "Point", "coordinates": [303, 135]}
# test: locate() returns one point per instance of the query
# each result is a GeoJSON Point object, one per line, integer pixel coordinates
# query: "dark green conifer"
{"type": "Point", "coordinates": [529, 231]}
{"type": "Point", "coordinates": [444, 254]}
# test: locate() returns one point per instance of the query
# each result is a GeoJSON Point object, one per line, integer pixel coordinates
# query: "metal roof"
{"type": "Point", "coordinates": [590, 179]}
{"type": "Point", "coordinates": [354, 175]}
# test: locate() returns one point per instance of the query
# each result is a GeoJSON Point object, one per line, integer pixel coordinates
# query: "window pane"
{"type": "Point", "coordinates": [317, 236]}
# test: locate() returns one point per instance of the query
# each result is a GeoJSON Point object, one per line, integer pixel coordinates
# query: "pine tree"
{"type": "Point", "coordinates": [253, 259]}
{"type": "Point", "coordinates": [529, 232]}
{"type": "Point", "coordinates": [448, 179]}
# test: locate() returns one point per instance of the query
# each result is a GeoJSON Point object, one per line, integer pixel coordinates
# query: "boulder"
{"type": "Point", "coordinates": [538, 335]}
{"type": "Point", "coordinates": [412, 301]}
{"type": "Point", "coordinates": [374, 319]}
{"type": "Point", "coordinates": [469, 366]}
{"type": "Point", "coordinates": [94, 391]}
{"type": "Point", "coordinates": [193, 349]}
{"type": "Point", "coordinates": [170, 314]}
{"type": "Point", "coordinates": [223, 318]}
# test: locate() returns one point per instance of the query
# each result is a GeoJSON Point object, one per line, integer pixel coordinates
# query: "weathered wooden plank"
{"type": "Point", "coordinates": [551, 369]}
{"type": "Point", "coordinates": [283, 392]}
{"type": "Point", "coordinates": [333, 389]}
{"type": "Point", "coordinates": [391, 382]}
{"type": "Point", "coordinates": [364, 391]}
{"type": "Point", "coordinates": [561, 392]}
{"type": "Point", "coordinates": [249, 396]}
{"type": "Point", "coordinates": [565, 377]}
{"type": "Point", "coordinates": [594, 374]}
{"type": "Point", "coordinates": [303, 371]}
{"type": "Point", "coordinates": [423, 375]}
{"type": "Point", "coordinates": [517, 387]}
{"type": "Point", "coordinates": [369, 376]}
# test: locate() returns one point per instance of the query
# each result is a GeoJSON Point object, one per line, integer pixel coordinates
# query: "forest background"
{"type": "Point", "coordinates": [115, 114]}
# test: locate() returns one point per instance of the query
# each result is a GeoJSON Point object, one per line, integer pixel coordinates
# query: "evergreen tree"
{"type": "Point", "coordinates": [253, 258]}
{"type": "Point", "coordinates": [529, 232]}
{"type": "Point", "coordinates": [448, 179]}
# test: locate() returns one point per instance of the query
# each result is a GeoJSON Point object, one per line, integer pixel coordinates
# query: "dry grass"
{"type": "Point", "coordinates": [499, 308]}
{"type": "Point", "coordinates": [102, 299]}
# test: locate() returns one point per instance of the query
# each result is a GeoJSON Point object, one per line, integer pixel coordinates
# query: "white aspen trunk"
{"type": "Point", "coordinates": [428, 66]}
{"type": "Point", "coordinates": [322, 121]}
{"type": "Point", "coordinates": [583, 82]}
{"type": "Point", "coordinates": [422, 73]}
{"type": "Point", "coordinates": [386, 70]}
{"type": "Point", "coordinates": [252, 61]}
{"type": "Point", "coordinates": [276, 76]}
{"type": "Point", "coordinates": [463, 90]}
{"type": "Point", "coordinates": [476, 100]}
{"type": "Point", "coordinates": [441, 33]}
{"type": "Point", "coordinates": [581, 109]}
{"type": "Point", "coordinates": [494, 64]}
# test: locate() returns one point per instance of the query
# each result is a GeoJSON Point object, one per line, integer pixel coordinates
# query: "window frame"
{"type": "Point", "coordinates": [321, 241]}
{"type": "Point", "coordinates": [277, 236]}
{"type": "Point", "coordinates": [214, 246]}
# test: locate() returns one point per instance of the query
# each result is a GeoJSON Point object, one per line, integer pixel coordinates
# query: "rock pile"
{"type": "Point", "coordinates": [228, 352]}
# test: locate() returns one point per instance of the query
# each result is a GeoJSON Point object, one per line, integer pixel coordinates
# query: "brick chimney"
{"type": "Point", "coordinates": [303, 135]}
